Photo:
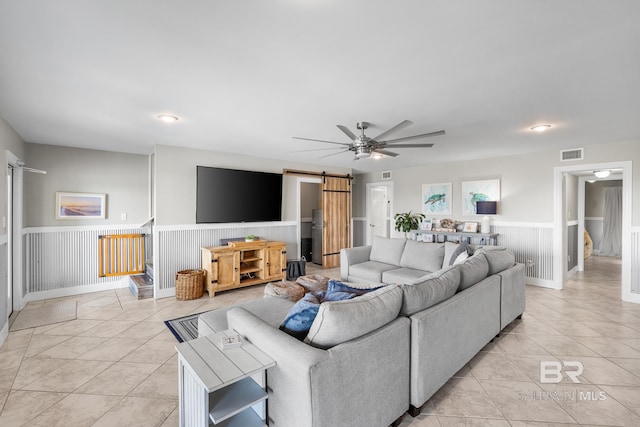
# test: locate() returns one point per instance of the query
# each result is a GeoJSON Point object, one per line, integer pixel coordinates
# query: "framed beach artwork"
{"type": "Point", "coordinates": [436, 199]}
{"type": "Point", "coordinates": [475, 191]}
{"type": "Point", "coordinates": [80, 205]}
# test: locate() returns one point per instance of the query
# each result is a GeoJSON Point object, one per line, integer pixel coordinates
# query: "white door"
{"type": "Point", "coordinates": [378, 210]}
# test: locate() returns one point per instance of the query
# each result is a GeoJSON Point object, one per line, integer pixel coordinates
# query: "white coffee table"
{"type": "Point", "coordinates": [225, 387]}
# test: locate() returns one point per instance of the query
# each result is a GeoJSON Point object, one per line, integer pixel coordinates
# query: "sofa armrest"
{"type": "Point", "coordinates": [512, 294]}
{"type": "Point", "coordinates": [352, 256]}
{"type": "Point", "coordinates": [349, 384]}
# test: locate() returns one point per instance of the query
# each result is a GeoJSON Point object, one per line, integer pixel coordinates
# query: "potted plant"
{"type": "Point", "coordinates": [408, 221]}
{"type": "Point", "coordinates": [251, 238]}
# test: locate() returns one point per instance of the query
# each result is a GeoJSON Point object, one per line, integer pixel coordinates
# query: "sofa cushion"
{"type": "Point", "coordinates": [461, 249]}
{"type": "Point", "coordinates": [422, 256]}
{"type": "Point", "coordinates": [385, 250]}
{"type": "Point", "coordinates": [472, 270]}
{"type": "Point", "coordinates": [342, 321]}
{"type": "Point", "coordinates": [370, 271]}
{"type": "Point", "coordinates": [437, 287]}
{"type": "Point", "coordinates": [499, 260]}
{"type": "Point", "coordinates": [401, 276]}
{"type": "Point", "coordinates": [301, 315]}
{"type": "Point", "coordinates": [270, 309]}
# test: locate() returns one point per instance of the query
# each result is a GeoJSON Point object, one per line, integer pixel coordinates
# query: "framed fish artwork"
{"type": "Point", "coordinates": [436, 199]}
{"type": "Point", "coordinates": [477, 191]}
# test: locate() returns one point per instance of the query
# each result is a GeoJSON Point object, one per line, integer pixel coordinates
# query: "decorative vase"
{"type": "Point", "coordinates": [485, 226]}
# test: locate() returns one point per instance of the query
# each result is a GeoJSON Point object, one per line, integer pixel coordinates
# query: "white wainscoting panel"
{"type": "Point", "coordinates": [178, 247]}
{"type": "Point", "coordinates": [532, 246]}
{"type": "Point", "coordinates": [67, 257]}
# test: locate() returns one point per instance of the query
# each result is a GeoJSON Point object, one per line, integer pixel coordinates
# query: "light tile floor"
{"type": "Point", "coordinates": [116, 364]}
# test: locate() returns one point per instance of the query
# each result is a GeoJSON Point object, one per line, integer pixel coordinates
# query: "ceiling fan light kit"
{"type": "Point", "coordinates": [364, 147]}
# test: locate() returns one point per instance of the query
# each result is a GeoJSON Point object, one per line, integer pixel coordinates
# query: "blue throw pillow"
{"type": "Point", "coordinates": [301, 315]}
{"type": "Point", "coordinates": [337, 286]}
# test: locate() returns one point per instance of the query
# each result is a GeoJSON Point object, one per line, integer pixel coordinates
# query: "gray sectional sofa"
{"type": "Point", "coordinates": [368, 360]}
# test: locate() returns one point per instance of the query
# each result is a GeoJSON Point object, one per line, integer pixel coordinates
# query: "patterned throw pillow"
{"type": "Point", "coordinates": [354, 288]}
{"type": "Point", "coordinates": [303, 313]}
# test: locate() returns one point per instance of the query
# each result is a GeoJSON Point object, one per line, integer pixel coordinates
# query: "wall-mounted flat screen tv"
{"type": "Point", "coordinates": [230, 195]}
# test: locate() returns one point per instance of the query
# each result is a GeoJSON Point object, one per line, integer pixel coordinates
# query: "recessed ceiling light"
{"type": "Point", "coordinates": [167, 118]}
{"type": "Point", "coordinates": [602, 174]}
{"type": "Point", "coordinates": [540, 128]}
{"type": "Point", "coordinates": [591, 181]}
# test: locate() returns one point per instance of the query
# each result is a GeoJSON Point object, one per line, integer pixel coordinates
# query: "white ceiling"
{"type": "Point", "coordinates": [246, 76]}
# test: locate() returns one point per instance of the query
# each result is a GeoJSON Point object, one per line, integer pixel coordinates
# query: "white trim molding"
{"type": "Point", "coordinates": [559, 228]}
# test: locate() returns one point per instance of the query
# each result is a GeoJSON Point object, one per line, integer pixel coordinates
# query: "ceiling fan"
{"type": "Point", "coordinates": [364, 147]}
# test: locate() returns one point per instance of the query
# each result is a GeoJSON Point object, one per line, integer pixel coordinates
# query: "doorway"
{"type": "Point", "coordinates": [310, 220]}
{"type": "Point", "coordinates": [561, 239]}
{"type": "Point", "coordinates": [591, 216]}
{"type": "Point", "coordinates": [379, 205]}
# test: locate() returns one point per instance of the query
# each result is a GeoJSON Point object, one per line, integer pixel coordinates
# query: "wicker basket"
{"type": "Point", "coordinates": [189, 284]}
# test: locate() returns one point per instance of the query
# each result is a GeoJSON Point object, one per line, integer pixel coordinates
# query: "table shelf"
{"type": "Point", "coordinates": [235, 398]}
{"type": "Point", "coordinates": [248, 418]}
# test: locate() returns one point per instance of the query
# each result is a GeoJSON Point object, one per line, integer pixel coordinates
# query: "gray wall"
{"type": "Point", "coordinates": [572, 246]}
{"type": "Point", "coordinates": [123, 177]}
{"type": "Point", "coordinates": [526, 182]}
{"type": "Point", "coordinates": [175, 180]}
{"type": "Point", "coordinates": [9, 140]}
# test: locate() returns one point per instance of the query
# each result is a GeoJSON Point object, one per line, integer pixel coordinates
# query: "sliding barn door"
{"type": "Point", "coordinates": [336, 212]}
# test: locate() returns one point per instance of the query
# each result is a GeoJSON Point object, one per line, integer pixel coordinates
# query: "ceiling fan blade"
{"type": "Point", "coordinates": [333, 154]}
{"type": "Point", "coordinates": [315, 149]}
{"type": "Point", "coordinates": [399, 126]}
{"type": "Point", "coordinates": [346, 130]}
{"type": "Point", "coordinates": [412, 145]}
{"type": "Point", "coordinates": [320, 140]}
{"type": "Point", "coordinates": [386, 153]}
{"type": "Point", "coordinates": [409, 138]}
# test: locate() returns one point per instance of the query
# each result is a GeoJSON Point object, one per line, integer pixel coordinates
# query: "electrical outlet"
{"type": "Point", "coordinates": [123, 216]}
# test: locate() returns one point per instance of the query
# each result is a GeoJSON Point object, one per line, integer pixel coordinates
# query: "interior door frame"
{"type": "Point", "coordinates": [299, 181]}
{"type": "Point", "coordinates": [389, 185]}
{"type": "Point", "coordinates": [15, 242]}
{"type": "Point", "coordinates": [560, 220]}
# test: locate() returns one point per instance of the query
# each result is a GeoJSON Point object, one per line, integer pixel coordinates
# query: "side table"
{"type": "Point", "coordinates": [223, 387]}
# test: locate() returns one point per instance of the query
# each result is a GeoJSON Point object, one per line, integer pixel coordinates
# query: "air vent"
{"type": "Point", "coordinates": [386, 174]}
{"type": "Point", "coordinates": [572, 154]}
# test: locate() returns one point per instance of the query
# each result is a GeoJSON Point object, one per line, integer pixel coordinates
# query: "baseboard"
{"type": "Point", "coordinates": [4, 333]}
{"type": "Point", "coordinates": [541, 283]}
{"type": "Point", "coordinates": [164, 293]}
{"type": "Point", "coordinates": [573, 271]}
{"type": "Point", "coordinates": [76, 290]}
{"type": "Point", "coordinates": [631, 297]}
